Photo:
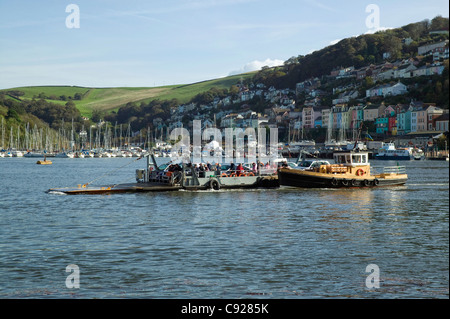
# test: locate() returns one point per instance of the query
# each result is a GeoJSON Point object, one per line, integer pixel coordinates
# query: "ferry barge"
{"type": "Point", "coordinates": [182, 177]}
{"type": "Point", "coordinates": [351, 169]}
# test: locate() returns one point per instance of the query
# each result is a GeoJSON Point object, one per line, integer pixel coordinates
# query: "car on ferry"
{"type": "Point", "coordinates": [309, 165]}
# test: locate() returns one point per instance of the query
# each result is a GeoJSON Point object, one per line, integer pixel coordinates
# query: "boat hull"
{"type": "Point", "coordinates": [298, 178]}
{"type": "Point", "coordinates": [392, 158]}
{"type": "Point", "coordinates": [229, 183]}
{"type": "Point", "coordinates": [44, 162]}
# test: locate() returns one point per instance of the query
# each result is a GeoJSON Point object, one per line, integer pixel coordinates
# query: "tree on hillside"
{"type": "Point", "coordinates": [439, 23]}
{"type": "Point", "coordinates": [393, 46]}
{"type": "Point", "coordinates": [97, 115]}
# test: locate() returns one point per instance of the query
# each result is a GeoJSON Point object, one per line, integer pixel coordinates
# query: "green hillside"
{"type": "Point", "coordinates": [106, 99]}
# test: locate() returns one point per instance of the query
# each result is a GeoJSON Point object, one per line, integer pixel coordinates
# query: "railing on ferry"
{"type": "Point", "coordinates": [394, 170]}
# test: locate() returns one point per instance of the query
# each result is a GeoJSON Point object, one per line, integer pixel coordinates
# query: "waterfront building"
{"type": "Point", "coordinates": [441, 123]}
{"type": "Point", "coordinates": [382, 124]}
{"type": "Point", "coordinates": [433, 113]}
{"type": "Point", "coordinates": [404, 121]}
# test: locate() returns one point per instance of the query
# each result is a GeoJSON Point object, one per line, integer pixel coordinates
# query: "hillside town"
{"type": "Point", "coordinates": [349, 108]}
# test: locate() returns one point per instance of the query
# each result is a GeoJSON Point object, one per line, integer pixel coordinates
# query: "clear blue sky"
{"type": "Point", "coordinates": [154, 43]}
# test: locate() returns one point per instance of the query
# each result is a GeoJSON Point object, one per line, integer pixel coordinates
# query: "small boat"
{"type": "Point", "coordinates": [44, 162]}
{"type": "Point", "coordinates": [391, 153]}
{"type": "Point", "coordinates": [351, 169]}
{"type": "Point", "coordinates": [65, 155]}
{"type": "Point", "coordinates": [33, 154]}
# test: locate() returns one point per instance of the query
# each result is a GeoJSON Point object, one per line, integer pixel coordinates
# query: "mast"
{"type": "Point", "coordinates": [115, 136]}
{"type": "Point", "coordinates": [3, 133]}
{"type": "Point", "coordinates": [72, 142]}
{"type": "Point", "coordinates": [18, 138]}
{"type": "Point", "coordinates": [330, 127]}
{"type": "Point", "coordinates": [11, 138]}
{"type": "Point", "coordinates": [90, 138]}
{"type": "Point", "coordinates": [120, 137]}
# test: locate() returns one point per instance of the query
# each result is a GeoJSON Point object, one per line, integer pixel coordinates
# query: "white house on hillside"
{"type": "Point", "coordinates": [387, 90]}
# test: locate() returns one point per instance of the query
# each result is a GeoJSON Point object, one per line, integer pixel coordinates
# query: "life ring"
{"type": "Point", "coordinates": [334, 182]}
{"type": "Point", "coordinates": [250, 174]}
{"type": "Point", "coordinates": [224, 175]}
{"type": "Point", "coordinates": [376, 182]}
{"type": "Point", "coordinates": [359, 172]}
{"type": "Point", "coordinates": [233, 175]}
{"type": "Point", "coordinates": [366, 182]}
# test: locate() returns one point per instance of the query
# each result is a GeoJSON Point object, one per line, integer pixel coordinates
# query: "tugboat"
{"type": "Point", "coordinates": [351, 169]}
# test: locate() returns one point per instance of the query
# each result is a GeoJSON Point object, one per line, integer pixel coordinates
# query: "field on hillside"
{"type": "Point", "coordinates": [108, 99]}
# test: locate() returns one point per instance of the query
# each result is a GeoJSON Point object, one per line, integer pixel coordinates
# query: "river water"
{"type": "Point", "coordinates": [283, 244]}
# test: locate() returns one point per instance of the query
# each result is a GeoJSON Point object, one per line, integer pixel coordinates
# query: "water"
{"type": "Point", "coordinates": [285, 243]}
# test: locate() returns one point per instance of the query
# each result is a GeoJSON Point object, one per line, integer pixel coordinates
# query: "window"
{"type": "Point", "coordinates": [356, 158]}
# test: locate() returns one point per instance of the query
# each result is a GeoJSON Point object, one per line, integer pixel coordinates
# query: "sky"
{"type": "Point", "coordinates": [147, 43]}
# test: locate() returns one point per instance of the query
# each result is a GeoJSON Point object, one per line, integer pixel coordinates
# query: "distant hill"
{"type": "Point", "coordinates": [106, 99]}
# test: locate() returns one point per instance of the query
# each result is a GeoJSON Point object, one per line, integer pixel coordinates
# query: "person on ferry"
{"type": "Point", "coordinates": [218, 169]}
{"type": "Point", "coordinates": [201, 170]}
